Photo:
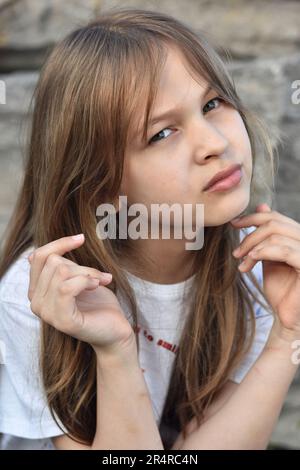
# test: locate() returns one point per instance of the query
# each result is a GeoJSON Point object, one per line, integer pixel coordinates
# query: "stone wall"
{"type": "Point", "coordinates": [260, 40]}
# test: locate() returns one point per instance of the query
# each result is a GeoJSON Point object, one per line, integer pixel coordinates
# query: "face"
{"type": "Point", "coordinates": [187, 148]}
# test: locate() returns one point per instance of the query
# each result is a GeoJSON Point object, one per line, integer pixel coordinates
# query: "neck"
{"type": "Point", "coordinates": [164, 261]}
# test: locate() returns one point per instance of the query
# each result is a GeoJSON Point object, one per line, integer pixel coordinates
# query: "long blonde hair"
{"type": "Point", "coordinates": [84, 104]}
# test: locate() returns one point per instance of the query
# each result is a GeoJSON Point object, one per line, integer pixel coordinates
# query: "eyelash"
{"type": "Point", "coordinates": [221, 100]}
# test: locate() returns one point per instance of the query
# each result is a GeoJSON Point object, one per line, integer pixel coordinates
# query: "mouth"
{"type": "Point", "coordinates": [226, 179]}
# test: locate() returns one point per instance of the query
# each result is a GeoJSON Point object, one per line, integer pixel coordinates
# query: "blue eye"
{"type": "Point", "coordinates": [217, 98]}
{"type": "Point", "coordinates": [151, 141]}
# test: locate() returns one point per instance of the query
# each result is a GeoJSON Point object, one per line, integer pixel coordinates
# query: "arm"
{"type": "Point", "coordinates": [223, 396]}
{"type": "Point", "coordinates": [73, 299]}
{"type": "Point", "coordinates": [125, 419]}
{"type": "Point", "coordinates": [247, 418]}
{"type": "Point", "coordinates": [64, 442]}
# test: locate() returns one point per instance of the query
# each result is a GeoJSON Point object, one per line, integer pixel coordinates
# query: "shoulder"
{"type": "Point", "coordinates": [15, 282]}
{"type": "Point", "coordinates": [19, 326]}
{"type": "Point", "coordinates": [23, 407]}
{"type": "Point", "coordinates": [14, 302]}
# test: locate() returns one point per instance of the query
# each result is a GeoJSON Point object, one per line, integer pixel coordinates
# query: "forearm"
{"type": "Point", "coordinates": [125, 418]}
{"type": "Point", "coordinates": [248, 418]}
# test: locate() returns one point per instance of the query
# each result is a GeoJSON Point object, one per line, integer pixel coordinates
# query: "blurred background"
{"type": "Point", "coordinates": [262, 40]}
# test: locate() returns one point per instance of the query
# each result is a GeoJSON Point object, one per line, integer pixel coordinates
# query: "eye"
{"type": "Point", "coordinates": [151, 141]}
{"type": "Point", "coordinates": [217, 98]}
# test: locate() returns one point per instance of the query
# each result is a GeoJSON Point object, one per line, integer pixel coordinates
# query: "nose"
{"type": "Point", "coordinates": [207, 140]}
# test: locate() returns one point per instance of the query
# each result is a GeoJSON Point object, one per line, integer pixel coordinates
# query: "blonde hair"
{"type": "Point", "coordinates": [85, 100]}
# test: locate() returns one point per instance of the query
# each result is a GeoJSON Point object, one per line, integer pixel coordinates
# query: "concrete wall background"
{"type": "Point", "coordinates": [263, 39]}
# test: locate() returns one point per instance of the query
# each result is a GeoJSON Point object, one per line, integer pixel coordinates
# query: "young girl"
{"type": "Point", "coordinates": [140, 343]}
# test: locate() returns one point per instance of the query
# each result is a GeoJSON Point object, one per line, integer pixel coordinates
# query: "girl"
{"type": "Point", "coordinates": [124, 343]}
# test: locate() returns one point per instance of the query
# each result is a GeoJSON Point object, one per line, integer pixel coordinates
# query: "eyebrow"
{"type": "Point", "coordinates": [170, 112]}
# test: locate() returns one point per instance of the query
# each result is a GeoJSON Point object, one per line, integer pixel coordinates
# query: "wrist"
{"type": "Point", "coordinates": [282, 334]}
{"type": "Point", "coordinates": [283, 340]}
{"type": "Point", "coordinates": [118, 355]}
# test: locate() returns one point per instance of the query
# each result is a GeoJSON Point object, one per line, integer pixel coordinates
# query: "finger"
{"type": "Point", "coordinates": [60, 247]}
{"type": "Point", "coordinates": [277, 240]}
{"type": "Point", "coordinates": [274, 240]}
{"type": "Point", "coordinates": [45, 275]}
{"type": "Point", "coordinates": [67, 289]}
{"type": "Point", "coordinates": [269, 231]}
{"type": "Point", "coordinates": [282, 253]}
{"type": "Point", "coordinates": [247, 264]}
{"type": "Point", "coordinates": [73, 286]}
{"type": "Point", "coordinates": [67, 269]}
{"type": "Point", "coordinates": [263, 207]}
{"type": "Point", "coordinates": [260, 218]}
{"type": "Point", "coordinates": [67, 317]}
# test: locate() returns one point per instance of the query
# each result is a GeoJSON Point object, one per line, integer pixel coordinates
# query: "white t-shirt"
{"type": "Point", "coordinates": [25, 419]}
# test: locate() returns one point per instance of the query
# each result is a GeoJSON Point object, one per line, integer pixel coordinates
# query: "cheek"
{"type": "Point", "coordinates": [242, 135]}
{"type": "Point", "coordinates": [238, 136]}
{"type": "Point", "coordinates": [145, 182]}
{"type": "Point", "coordinates": [249, 165]}
{"type": "Point", "coordinates": [247, 153]}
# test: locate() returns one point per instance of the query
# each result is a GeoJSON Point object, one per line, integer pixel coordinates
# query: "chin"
{"type": "Point", "coordinates": [225, 214]}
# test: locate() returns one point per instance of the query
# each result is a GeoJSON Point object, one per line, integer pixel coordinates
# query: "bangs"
{"type": "Point", "coordinates": [201, 61]}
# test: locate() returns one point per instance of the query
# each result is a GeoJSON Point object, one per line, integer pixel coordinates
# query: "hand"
{"type": "Point", "coordinates": [276, 242]}
{"type": "Point", "coordinates": [74, 299]}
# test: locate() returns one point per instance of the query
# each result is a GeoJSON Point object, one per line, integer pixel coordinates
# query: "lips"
{"type": "Point", "coordinates": [222, 174]}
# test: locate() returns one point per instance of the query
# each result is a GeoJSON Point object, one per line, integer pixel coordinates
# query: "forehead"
{"type": "Point", "coordinates": [176, 82]}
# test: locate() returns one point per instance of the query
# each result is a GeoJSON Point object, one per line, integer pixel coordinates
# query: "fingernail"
{"type": "Point", "coordinates": [236, 219]}
{"type": "Point", "coordinates": [242, 265]}
{"type": "Point", "coordinates": [78, 237]}
{"type": "Point", "coordinates": [106, 276]}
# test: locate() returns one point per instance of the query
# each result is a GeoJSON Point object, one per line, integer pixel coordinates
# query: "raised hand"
{"type": "Point", "coordinates": [74, 299]}
{"type": "Point", "coordinates": [275, 242]}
